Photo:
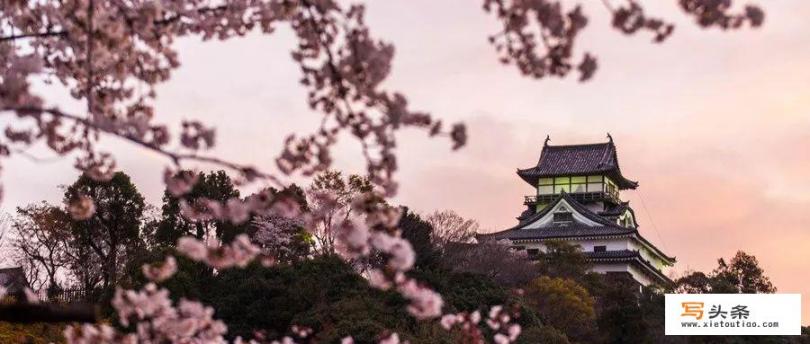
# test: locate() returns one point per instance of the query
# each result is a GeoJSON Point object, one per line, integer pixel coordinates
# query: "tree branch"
{"type": "Point", "coordinates": [33, 35]}
{"type": "Point", "coordinates": [175, 157]}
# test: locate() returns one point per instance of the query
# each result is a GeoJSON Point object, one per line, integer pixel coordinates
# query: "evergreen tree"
{"type": "Point", "coordinates": [216, 186]}
{"type": "Point", "coordinates": [105, 241]}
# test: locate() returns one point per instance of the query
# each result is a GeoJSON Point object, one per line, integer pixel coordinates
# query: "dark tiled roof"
{"type": "Point", "coordinates": [570, 231]}
{"type": "Point", "coordinates": [612, 254]}
{"type": "Point", "coordinates": [586, 159]}
{"type": "Point", "coordinates": [628, 256]}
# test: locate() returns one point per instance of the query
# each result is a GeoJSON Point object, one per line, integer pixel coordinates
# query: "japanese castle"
{"type": "Point", "coordinates": [578, 200]}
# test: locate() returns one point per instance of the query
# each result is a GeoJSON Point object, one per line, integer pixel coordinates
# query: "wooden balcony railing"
{"type": "Point", "coordinates": [612, 196]}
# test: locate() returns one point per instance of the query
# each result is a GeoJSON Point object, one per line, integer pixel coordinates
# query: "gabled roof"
{"type": "Point", "coordinates": [577, 160]}
{"type": "Point", "coordinates": [570, 201]}
{"type": "Point", "coordinates": [600, 227]}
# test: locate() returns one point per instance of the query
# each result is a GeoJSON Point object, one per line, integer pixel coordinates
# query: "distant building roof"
{"type": "Point", "coordinates": [578, 160]}
{"type": "Point", "coordinates": [13, 279]}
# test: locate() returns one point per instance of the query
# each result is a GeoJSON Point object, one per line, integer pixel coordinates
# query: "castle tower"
{"type": "Point", "coordinates": [578, 199]}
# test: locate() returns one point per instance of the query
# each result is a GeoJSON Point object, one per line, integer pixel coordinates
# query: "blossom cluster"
{"type": "Point", "coordinates": [154, 319]}
{"type": "Point", "coordinates": [498, 320]}
{"type": "Point", "coordinates": [161, 271]}
{"type": "Point", "coordinates": [240, 252]}
{"type": "Point", "coordinates": [275, 234]}
{"type": "Point", "coordinates": [113, 66]}
{"type": "Point", "coordinates": [538, 36]}
{"type": "Point", "coordinates": [376, 232]}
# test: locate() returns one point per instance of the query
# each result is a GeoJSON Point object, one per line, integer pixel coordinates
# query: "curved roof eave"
{"type": "Point", "coordinates": [669, 259]}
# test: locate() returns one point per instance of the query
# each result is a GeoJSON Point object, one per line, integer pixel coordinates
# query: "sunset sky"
{"type": "Point", "coordinates": [714, 125]}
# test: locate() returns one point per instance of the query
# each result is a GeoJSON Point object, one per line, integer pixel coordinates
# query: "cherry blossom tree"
{"type": "Point", "coordinates": [111, 54]}
{"type": "Point", "coordinates": [332, 195]}
{"type": "Point", "coordinates": [282, 237]}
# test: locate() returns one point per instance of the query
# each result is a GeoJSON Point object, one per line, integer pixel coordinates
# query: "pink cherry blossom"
{"type": "Point", "coordinates": [239, 253]}
{"type": "Point", "coordinates": [162, 271]}
{"type": "Point", "coordinates": [179, 183]}
{"type": "Point", "coordinates": [392, 338]}
{"type": "Point", "coordinates": [192, 248]}
{"type": "Point", "coordinates": [82, 208]}
{"type": "Point", "coordinates": [424, 302]}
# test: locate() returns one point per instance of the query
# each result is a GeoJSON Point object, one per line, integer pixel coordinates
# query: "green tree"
{"type": "Point", "coordinates": [215, 186]}
{"type": "Point", "coordinates": [563, 304]}
{"type": "Point", "coordinates": [542, 334]}
{"type": "Point", "coordinates": [112, 235]}
{"type": "Point", "coordinates": [620, 318]}
{"type": "Point", "coordinates": [465, 292]}
{"type": "Point", "coordinates": [324, 293]}
{"type": "Point", "coordinates": [419, 232]}
{"type": "Point", "coordinates": [740, 275]}
{"type": "Point", "coordinates": [562, 259]}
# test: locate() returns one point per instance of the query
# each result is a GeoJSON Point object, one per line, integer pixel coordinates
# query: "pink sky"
{"type": "Point", "coordinates": [715, 126]}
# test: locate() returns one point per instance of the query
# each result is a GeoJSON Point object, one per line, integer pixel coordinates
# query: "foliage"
{"type": "Point", "coordinates": [216, 186]}
{"type": "Point", "coordinates": [419, 233]}
{"type": "Point", "coordinates": [563, 304]}
{"type": "Point", "coordinates": [283, 238]}
{"type": "Point", "coordinates": [562, 259]}
{"type": "Point", "coordinates": [337, 208]}
{"type": "Point", "coordinates": [31, 333]}
{"type": "Point", "coordinates": [741, 275]}
{"type": "Point", "coordinates": [112, 234]}
{"type": "Point", "coordinates": [492, 259]}
{"type": "Point", "coordinates": [465, 292]}
{"type": "Point", "coordinates": [43, 243]}
{"type": "Point", "coordinates": [323, 293]}
{"type": "Point", "coordinates": [542, 334]}
{"type": "Point", "coordinates": [620, 318]}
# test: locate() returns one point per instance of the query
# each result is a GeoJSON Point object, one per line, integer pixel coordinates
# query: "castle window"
{"type": "Point", "coordinates": [533, 252]}
{"type": "Point", "coordinates": [595, 184]}
{"type": "Point", "coordinates": [600, 248]}
{"type": "Point", "coordinates": [575, 184]}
